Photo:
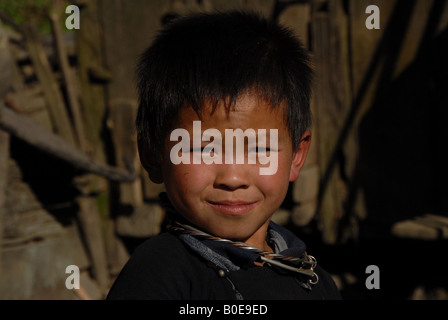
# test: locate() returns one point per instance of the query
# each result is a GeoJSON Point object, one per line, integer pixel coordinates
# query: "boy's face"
{"type": "Point", "coordinates": [232, 200]}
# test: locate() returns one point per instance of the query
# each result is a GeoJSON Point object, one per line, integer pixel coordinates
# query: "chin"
{"type": "Point", "coordinates": [232, 233]}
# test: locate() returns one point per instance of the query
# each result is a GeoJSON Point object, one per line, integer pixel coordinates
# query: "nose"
{"type": "Point", "coordinates": [231, 177]}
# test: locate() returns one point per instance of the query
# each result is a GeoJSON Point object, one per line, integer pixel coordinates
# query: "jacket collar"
{"type": "Point", "coordinates": [231, 257]}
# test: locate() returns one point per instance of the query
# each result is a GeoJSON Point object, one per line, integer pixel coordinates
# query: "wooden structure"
{"type": "Point", "coordinates": [69, 101]}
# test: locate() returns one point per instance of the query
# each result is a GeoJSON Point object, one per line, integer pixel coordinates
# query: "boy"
{"type": "Point", "coordinates": [206, 81]}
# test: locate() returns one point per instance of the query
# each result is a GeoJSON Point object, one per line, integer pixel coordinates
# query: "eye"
{"type": "Point", "coordinates": [208, 150]}
{"type": "Point", "coordinates": [203, 149]}
{"type": "Point", "coordinates": [260, 149]}
{"type": "Point", "coordinates": [195, 150]}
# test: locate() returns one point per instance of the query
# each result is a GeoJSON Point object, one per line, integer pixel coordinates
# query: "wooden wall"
{"type": "Point", "coordinates": [377, 155]}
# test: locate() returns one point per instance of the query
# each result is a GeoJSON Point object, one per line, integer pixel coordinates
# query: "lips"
{"type": "Point", "coordinates": [233, 208]}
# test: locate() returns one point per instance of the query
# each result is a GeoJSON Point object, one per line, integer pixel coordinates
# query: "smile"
{"type": "Point", "coordinates": [233, 208]}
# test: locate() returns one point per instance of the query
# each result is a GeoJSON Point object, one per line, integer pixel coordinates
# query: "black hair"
{"type": "Point", "coordinates": [216, 57]}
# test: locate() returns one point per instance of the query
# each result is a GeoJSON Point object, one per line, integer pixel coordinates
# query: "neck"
{"type": "Point", "coordinates": [258, 239]}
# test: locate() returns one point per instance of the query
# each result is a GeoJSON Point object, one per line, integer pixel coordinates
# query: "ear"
{"type": "Point", "coordinates": [299, 156]}
{"type": "Point", "coordinates": [151, 163]}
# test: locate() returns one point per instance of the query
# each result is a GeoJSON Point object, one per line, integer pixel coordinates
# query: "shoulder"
{"type": "Point", "coordinates": [158, 246]}
{"type": "Point", "coordinates": [158, 269]}
{"type": "Point", "coordinates": [164, 250]}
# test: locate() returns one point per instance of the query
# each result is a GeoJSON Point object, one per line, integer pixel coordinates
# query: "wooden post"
{"type": "Point", "coordinates": [4, 158]}
{"type": "Point", "coordinates": [5, 80]}
{"type": "Point", "coordinates": [122, 46]}
{"type": "Point", "coordinates": [121, 124]}
{"type": "Point", "coordinates": [88, 214]}
{"type": "Point", "coordinates": [94, 77]}
{"type": "Point", "coordinates": [91, 228]}
{"type": "Point", "coordinates": [305, 189]}
{"type": "Point", "coordinates": [67, 74]}
{"type": "Point", "coordinates": [55, 103]}
{"type": "Point", "coordinates": [332, 98]}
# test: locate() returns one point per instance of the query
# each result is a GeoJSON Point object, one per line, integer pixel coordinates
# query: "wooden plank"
{"type": "Point", "coordinates": [121, 123]}
{"type": "Point", "coordinates": [93, 78]}
{"type": "Point", "coordinates": [308, 188]}
{"type": "Point", "coordinates": [5, 81]}
{"type": "Point", "coordinates": [30, 102]}
{"type": "Point", "coordinates": [440, 219]}
{"type": "Point", "coordinates": [67, 75]}
{"type": "Point", "coordinates": [365, 45]}
{"type": "Point", "coordinates": [90, 223]}
{"type": "Point", "coordinates": [20, 197]}
{"type": "Point", "coordinates": [88, 214]}
{"type": "Point", "coordinates": [305, 189]}
{"type": "Point", "coordinates": [297, 17]}
{"type": "Point", "coordinates": [420, 228]}
{"type": "Point", "coordinates": [394, 57]}
{"type": "Point", "coordinates": [4, 157]}
{"type": "Point", "coordinates": [30, 132]}
{"type": "Point", "coordinates": [435, 221]}
{"type": "Point", "coordinates": [123, 41]}
{"type": "Point", "coordinates": [122, 46]}
{"type": "Point", "coordinates": [55, 102]}
{"type": "Point", "coordinates": [116, 252]}
{"type": "Point", "coordinates": [332, 100]}
{"type": "Point", "coordinates": [36, 270]}
{"type": "Point", "coordinates": [5, 63]}
{"type": "Point", "coordinates": [30, 225]}
{"type": "Point", "coordinates": [17, 80]}
{"type": "Point", "coordinates": [304, 213]}
{"type": "Point", "coordinates": [145, 221]}
{"type": "Point", "coordinates": [151, 190]}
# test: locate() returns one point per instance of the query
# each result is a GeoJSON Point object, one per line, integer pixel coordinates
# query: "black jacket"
{"type": "Point", "coordinates": [165, 267]}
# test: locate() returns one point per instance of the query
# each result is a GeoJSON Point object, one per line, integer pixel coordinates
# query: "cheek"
{"type": "Point", "coordinates": [186, 179]}
{"type": "Point", "coordinates": [277, 184]}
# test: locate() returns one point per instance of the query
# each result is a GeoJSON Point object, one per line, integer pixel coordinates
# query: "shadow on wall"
{"type": "Point", "coordinates": [402, 161]}
{"type": "Point", "coordinates": [401, 166]}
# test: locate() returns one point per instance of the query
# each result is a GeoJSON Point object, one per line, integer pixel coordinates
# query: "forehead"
{"type": "Point", "coordinates": [249, 111]}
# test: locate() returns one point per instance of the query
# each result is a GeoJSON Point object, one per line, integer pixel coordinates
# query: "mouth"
{"type": "Point", "coordinates": [233, 208]}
